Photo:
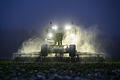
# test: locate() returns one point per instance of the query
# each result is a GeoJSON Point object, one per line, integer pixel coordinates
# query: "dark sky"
{"type": "Point", "coordinates": [19, 19]}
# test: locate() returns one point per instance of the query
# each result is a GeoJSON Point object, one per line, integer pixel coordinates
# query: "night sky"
{"type": "Point", "coordinates": [20, 19]}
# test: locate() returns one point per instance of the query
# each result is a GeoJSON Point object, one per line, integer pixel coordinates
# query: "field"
{"type": "Point", "coordinates": [59, 71]}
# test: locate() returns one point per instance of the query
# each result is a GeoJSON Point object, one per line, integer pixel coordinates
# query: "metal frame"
{"type": "Point", "coordinates": [80, 57]}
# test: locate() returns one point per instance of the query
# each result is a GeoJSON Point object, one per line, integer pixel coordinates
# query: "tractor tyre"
{"type": "Point", "coordinates": [72, 50]}
{"type": "Point", "coordinates": [44, 50]}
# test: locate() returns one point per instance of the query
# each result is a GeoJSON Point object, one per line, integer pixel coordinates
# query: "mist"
{"type": "Point", "coordinates": [22, 23]}
{"type": "Point", "coordinates": [84, 39]}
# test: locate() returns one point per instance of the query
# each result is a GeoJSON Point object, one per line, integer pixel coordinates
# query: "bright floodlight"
{"type": "Point", "coordinates": [50, 35]}
{"type": "Point", "coordinates": [54, 27]}
{"type": "Point", "coordinates": [67, 27]}
{"type": "Point", "coordinates": [72, 35]}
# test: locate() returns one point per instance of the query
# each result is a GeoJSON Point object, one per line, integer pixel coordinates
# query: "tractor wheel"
{"type": "Point", "coordinates": [72, 50]}
{"type": "Point", "coordinates": [44, 50]}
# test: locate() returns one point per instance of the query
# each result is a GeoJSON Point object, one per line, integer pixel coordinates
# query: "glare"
{"type": "Point", "coordinates": [72, 35]}
{"type": "Point", "coordinates": [54, 27]}
{"type": "Point", "coordinates": [50, 35]}
{"type": "Point", "coordinates": [67, 27]}
{"type": "Point", "coordinates": [65, 47]}
{"type": "Point", "coordinates": [83, 38]}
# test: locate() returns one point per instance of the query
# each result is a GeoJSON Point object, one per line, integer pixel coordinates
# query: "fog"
{"type": "Point", "coordinates": [84, 39]}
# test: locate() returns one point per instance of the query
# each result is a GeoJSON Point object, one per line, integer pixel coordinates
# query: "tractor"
{"type": "Point", "coordinates": [54, 41]}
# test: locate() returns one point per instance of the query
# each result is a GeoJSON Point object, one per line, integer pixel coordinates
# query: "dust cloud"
{"type": "Point", "coordinates": [83, 38]}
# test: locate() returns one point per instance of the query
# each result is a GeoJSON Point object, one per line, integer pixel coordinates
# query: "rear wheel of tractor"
{"type": "Point", "coordinates": [72, 50]}
{"type": "Point", "coordinates": [44, 50]}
